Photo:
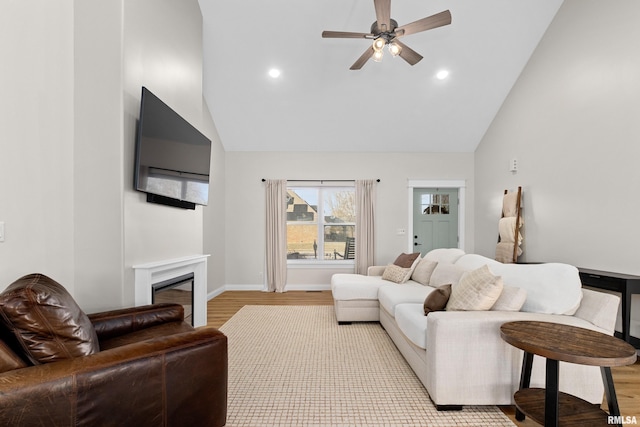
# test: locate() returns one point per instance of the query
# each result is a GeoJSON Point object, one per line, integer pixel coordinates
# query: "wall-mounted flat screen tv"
{"type": "Point", "coordinates": [172, 157]}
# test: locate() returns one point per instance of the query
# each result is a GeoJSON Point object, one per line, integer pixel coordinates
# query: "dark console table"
{"type": "Point", "coordinates": [626, 284]}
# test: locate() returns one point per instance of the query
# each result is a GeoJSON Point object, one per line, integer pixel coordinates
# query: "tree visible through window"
{"type": "Point", "coordinates": [320, 220]}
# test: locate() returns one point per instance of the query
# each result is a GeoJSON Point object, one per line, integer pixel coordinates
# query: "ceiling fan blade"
{"type": "Point", "coordinates": [408, 54]}
{"type": "Point", "coordinates": [345, 35]}
{"type": "Point", "coordinates": [424, 24]}
{"type": "Point", "coordinates": [363, 59]}
{"type": "Point", "coordinates": [383, 14]}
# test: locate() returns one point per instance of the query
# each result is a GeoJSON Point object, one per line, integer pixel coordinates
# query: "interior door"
{"type": "Point", "coordinates": [435, 219]}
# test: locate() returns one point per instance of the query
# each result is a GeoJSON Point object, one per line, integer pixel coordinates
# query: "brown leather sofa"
{"type": "Point", "coordinates": [141, 366]}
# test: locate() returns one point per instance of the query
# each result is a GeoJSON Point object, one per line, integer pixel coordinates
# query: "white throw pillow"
{"type": "Point", "coordinates": [477, 290]}
{"type": "Point", "coordinates": [422, 272]}
{"type": "Point", "coordinates": [511, 299]}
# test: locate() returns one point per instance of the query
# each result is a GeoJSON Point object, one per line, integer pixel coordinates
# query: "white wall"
{"type": "Point", "coordinates": [245, 200]}
{"type": "Point", "coordinates": [214, 212]}
{"type": "Point", "coordinates": [71, 80]}
{"type": "Point", "coordinates": [97, 156]}
{"type": "Point", "coordinates": [572, 122]}
{"type": "Point", "coordinates": [36, 139]}
{"type": "Point", "coordinates": [162, 50]}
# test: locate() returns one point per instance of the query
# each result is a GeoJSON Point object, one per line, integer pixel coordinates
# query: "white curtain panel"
{"type": "Point", "coordinates": [276, 239]}
{"type": "Point", "coordinates": [365, 224]}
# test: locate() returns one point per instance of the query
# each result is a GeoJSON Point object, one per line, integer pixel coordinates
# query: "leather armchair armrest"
{"type": "Point", "coordinates": [113, 323]}
{"type": "Point", "coordinates": [173, 380]}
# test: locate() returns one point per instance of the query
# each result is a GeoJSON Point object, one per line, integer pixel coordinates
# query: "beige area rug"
{"type": "Point", "coordinates": [295, 366]}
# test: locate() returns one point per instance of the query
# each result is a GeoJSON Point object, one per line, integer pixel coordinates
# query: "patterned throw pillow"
{"type": "Point", "coordinates": [396, 274]}
{"type": "Point", "coordinates": [477, 290]}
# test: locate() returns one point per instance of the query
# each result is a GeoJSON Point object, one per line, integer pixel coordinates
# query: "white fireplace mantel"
{"type": "Point", "coordinates": [151, 273]}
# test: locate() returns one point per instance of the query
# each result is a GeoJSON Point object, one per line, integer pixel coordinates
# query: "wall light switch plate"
{"type": "Point", "coordinates": [1, 231]}
{"type": "Point", "coordinates": [513, 165]}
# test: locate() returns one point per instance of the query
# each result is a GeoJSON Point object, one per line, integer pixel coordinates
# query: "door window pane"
{"type": "Point", "coordinates": [435, 204]}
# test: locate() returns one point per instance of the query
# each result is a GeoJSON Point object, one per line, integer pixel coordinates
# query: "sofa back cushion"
{"type": "Point", "coordinates": [45, 321]}
{"type": "Point", "coordinates": [444, 255]}
{"type": "Point", "coordinates": [445, 273]}
{"type": "Point", "coordinates": [551, 288]}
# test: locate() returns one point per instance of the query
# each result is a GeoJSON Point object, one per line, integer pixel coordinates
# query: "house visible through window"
{"type": "Point", "coordinates": [320, 223]}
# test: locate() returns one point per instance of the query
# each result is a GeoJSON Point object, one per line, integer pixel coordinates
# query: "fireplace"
{"type": "Point", "coordinates": [177, 290]}
{"type": "Point", "coordinates": [172, 275]}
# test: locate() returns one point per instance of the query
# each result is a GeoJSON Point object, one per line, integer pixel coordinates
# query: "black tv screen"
{"type": "Point", "coordinates": [172, 157]}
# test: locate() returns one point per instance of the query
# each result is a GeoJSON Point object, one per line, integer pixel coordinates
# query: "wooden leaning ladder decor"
{"type": "Point", "coordinates": [508, 212]}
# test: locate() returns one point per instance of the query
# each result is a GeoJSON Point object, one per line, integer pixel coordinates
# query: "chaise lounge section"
{"type": "Point", "coordinates": [459, 355]}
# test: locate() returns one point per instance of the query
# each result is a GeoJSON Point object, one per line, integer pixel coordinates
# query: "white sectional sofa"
{"type": "Point", "coordinates": [459, 355]}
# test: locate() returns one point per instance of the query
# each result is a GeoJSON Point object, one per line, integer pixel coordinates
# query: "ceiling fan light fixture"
{"type": "Point", "coordinates": [377, 55]}
{"type": "Point", "coordinates": [378, 44]}
{"type": "Point", "coordinates": [394, 49]}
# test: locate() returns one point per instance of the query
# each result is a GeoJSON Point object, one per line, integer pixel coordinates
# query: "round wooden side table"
{"type": "Point", "coordinates": [557, 342]}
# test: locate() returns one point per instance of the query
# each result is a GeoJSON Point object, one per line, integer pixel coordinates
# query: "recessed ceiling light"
{"type": "Point", "coordinates": [442, 74]}
{"type": "Point", "coordinates": [274, 73]}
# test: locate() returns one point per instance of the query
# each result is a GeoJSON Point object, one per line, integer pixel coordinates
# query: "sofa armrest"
{"type": "Point", "coordinates": [376, 270]}
{"type": "Point", "coordinates": [174, 380]}
{"type": "Point", "coordinates": [465, 352]}
{"type": "Point", "coordinates": [113, 323]}
{"type": "Point", "coordinates": [599, 308]}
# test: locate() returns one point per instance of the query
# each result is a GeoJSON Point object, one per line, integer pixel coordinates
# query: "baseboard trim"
{"type": "Point", "coordinates": [292, 287]}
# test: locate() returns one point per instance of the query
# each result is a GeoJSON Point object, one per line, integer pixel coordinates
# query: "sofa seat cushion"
{"type": "Point", "coordinates": [391, 294]}
{"type": "Point", "coordinates": [552, 288]}
{"type": "Point", "coordinates": [412, 322]}
{"type": "Point", "coordinates": [346, 287]}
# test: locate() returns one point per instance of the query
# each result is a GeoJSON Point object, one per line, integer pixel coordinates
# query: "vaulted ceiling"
{"type": "Point", "coordinates": [318, 104]}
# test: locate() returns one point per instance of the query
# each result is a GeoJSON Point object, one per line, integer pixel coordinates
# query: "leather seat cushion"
{"type": "Point", "coordinates": [45, 321]}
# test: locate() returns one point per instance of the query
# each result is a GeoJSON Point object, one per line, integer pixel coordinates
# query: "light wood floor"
{"type": "Point", "coordinates": [224, 306]}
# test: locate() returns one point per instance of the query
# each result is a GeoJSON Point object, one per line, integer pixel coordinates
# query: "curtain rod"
{"type": "Point", "coordinates": [322, 180]}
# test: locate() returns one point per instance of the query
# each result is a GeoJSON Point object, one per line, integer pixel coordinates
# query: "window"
{"type": "Point", "coordinates": [434, 204]}
{"type": "Point", "coordinates": [320, 223]}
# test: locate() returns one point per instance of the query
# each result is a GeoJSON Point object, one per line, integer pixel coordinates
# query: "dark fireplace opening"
{"type": "Point", "coordinates": [177, 290]}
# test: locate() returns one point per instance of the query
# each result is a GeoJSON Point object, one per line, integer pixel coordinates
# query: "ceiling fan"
{"type": "Point", "coordinates": [385, 31]}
